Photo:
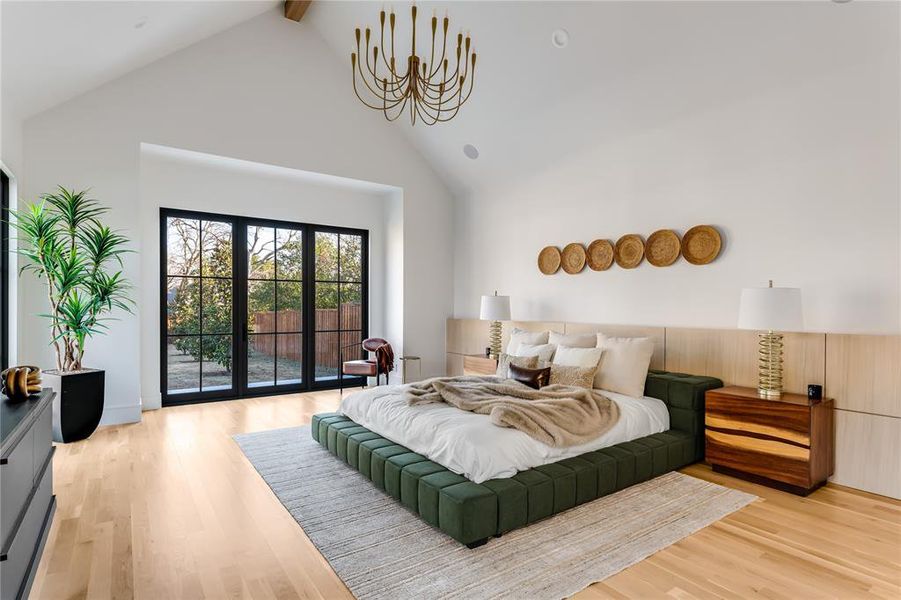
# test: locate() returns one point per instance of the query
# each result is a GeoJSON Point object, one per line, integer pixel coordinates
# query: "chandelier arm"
{"type": "Point", "coordinates": [356, 91]}
{"type": "Point", "coordinates": [426, 117]}
{"type": "Point", "coordinates": [362, 100]}
{"type": "Point", "coordinates": [374, 92]}
{"type": "Point", "coordinates": [438, 64]}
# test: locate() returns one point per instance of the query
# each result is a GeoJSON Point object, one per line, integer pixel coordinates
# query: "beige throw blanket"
{"type": "Point", "coordinates": [557, 415]}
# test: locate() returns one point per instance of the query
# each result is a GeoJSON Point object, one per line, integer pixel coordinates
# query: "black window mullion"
{"type": "Point", "coordinates": [4, 270]}
{"type": "Point", "coordinates": [308, 295]}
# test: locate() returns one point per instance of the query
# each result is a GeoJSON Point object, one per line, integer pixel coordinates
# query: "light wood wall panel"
{"type": "Point", "coordinates": [466, 336]}
{"type": "Point", "coordinates": [454, 364]}
{"type": "Point", "coordinates": [863, 373]}
{"type": "Point", "coordinates": [731, 355]}
{"type": "Point", "coordinates": [656, 334]}
{"type": "Point", "coordinates": [868, 452]}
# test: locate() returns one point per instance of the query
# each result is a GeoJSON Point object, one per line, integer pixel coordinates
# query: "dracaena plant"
{"type": "Point", "coordinates": [65, 244]}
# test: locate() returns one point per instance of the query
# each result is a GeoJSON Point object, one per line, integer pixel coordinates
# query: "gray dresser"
{"type": "Point", "coordinates": [27, 502]}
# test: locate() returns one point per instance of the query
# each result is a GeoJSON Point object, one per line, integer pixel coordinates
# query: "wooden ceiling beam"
{"type": "Point", "coordinates": [295, 9]}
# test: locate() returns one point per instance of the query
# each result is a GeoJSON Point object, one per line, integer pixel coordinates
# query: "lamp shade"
{"type": "Point", "coordinates": [495, 308]}
{"type": "Point", "coordinates": [771, 309]}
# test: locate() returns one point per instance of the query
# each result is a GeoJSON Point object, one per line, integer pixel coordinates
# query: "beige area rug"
{"type": "Point", "coordinates": [381, 550]}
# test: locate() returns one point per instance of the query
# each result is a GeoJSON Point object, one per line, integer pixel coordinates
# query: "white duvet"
{"type": "Point", "coordinates": [469, 444]}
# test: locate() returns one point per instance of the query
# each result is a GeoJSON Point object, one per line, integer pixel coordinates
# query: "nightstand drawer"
{"type": "Point", "coordinates": [764, 418]}
{"type": "Point", "coordinates": [774, 459]}
{"type": "Point", "coordinates": [479, 365]}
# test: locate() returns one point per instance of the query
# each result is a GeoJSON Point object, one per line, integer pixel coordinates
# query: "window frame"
{"type": "Point", "coordinates": [240, 334]}
{"type": "Point", "coordinates": [4, 270]}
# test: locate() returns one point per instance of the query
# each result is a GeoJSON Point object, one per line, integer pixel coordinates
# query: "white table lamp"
{"type": "Point", "coordinates": [770, 310]}
{"type": "Point", "coordinates": [495, 309]}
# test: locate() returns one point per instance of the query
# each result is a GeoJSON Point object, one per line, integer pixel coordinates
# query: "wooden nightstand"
{"type": "Point", "coordinates": [478, 364]}
{"type": "Point", "coordinates": [786, 443]}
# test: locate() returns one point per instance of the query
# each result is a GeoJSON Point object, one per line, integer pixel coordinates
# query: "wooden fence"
{"type": "Point", "coordinates": [328, 345]}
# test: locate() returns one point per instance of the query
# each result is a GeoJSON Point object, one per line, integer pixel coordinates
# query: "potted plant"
{"type": "Point", "coordinates": [65, 244]}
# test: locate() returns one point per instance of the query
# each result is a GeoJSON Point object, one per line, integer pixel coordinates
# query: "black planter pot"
{"type": "Point", "coordinates": [78, 405]}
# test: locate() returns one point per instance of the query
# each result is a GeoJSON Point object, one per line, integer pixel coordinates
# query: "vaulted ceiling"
{"type": "Point", "coordinates": [628, 66]}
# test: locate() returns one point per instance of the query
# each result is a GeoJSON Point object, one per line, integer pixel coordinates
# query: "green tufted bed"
{"type": "Point", "coordinates": [472, 513]}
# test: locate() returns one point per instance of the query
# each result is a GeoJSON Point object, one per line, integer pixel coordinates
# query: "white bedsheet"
{"type": "Point", "coordinates": [470, 445]}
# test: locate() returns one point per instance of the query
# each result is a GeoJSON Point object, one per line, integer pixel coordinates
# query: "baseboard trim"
{"type": "Point", "coordinates": [116, 415]}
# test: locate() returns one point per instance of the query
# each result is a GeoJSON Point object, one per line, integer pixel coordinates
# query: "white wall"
{"type": "Point", "coordinates": [247, 93]}
{"type": "Point", "coordinates": [781, 131]}
{"type": "Point", "coordinates": [174, 178]}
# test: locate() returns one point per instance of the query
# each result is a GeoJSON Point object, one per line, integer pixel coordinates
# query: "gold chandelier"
{"type": "Point", "coordinates": [433, 93]}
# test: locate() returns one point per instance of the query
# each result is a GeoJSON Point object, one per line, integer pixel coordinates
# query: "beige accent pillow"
{"type": "Point", "coordinates": [505, 360]}
{"type": "Point", "coordinates": [624, 364]}
{"type": "Point", "coordinates": [581, 377]}
{"type": "Point", "coordinates": [574, 340]}
{"type": "Point", "coordinates": [544, 352]}
{"type": "Point", "coordinates": [577, 357]}
{"type": "Point", "coordinates": [521, 336]}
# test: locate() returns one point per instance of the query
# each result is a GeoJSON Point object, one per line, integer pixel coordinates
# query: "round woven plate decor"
{"type": "Point", "coordinates": [549, 260]}
{"type": "Point", "coordinates": [662, 248]}
{"type": "Point", "coordinates": [629, 251]}
{"type": "Point", "coordinates": [573, 258]}
{"type": "Point", "coordinates": [701, 244]}
{"type": "Point", "coordinates": [600, 255]}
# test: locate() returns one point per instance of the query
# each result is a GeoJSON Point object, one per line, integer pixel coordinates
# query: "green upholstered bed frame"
{"type": "Point", "coordinates": [472, 513]}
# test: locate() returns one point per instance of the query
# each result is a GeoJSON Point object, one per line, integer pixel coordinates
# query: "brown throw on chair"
{"type": "Point", "coordinates": [376, 366]}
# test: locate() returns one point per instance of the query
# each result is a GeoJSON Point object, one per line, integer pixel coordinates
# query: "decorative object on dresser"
{"type": "Point", "coordinates": [474, 364]}
{"type": "Point", "coordinates": [26, 489]}
{"type": "Point", "coordinates": [663, 247]}
{"type": "Point", "coordinates": [573, 258]}
{"type": "Point", "coordinates": [787, 443]}
{"type": "Point", "coordinates": [64, 243]}
{"type": "Point", "coordinates": [770, 310]}
{"type": "Point", "coordinates": [495, 309]}
{"type": "Point", "coordinates": [18, 383]}
{"type": "Point", "coordinates": [629, 251]}
{"type": "Point", "coordinates": [701, 244]}
{"type": "Point", "coordinates": [549, 260]}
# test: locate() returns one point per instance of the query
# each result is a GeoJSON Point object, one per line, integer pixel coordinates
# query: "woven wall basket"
{"type": "Point", "coordinates": [629, 251]}
{"type": "Point", "coordinates": [573, 258]}
{"type": "Point", "coordinates": [549, 260]}
{"type": "Point", "coordinates": [701, 244]}
{"type": "Point", "coordinates": [600, 255]}
{"type": "Point", "coordinates": [662, 248]}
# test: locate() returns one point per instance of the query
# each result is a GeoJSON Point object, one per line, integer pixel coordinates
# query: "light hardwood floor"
{"type": "Point", "coordinates": [170, 508]}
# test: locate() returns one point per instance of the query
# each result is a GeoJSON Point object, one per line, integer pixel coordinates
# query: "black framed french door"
{"type": "Point", "coordinates": [255, 307]}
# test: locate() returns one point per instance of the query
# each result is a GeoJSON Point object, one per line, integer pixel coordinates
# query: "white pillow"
{"type": "Point", "coordinates": [521, 336]}
{"type": "Point", "coordinates": [544, 352]}
{"type": "Point", "coordinates": [624, 366]}
{"type": "Point", "coordinates": [575, 340]}
{"type": "Point", "coordinates": [577, 357]}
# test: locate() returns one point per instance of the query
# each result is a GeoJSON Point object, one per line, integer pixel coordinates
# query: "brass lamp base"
{"type": "Point", "coordinates": [495, 333]}
{"type": "Point", "coordinates": [769, 365]}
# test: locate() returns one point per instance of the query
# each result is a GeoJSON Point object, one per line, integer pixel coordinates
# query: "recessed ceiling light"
{"type": "Point", "coordinates": [471, 151]}
{"type": "Point", "coordinates": [141, 22]}
{"type": "Point", "coordinates": [560, 38]}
